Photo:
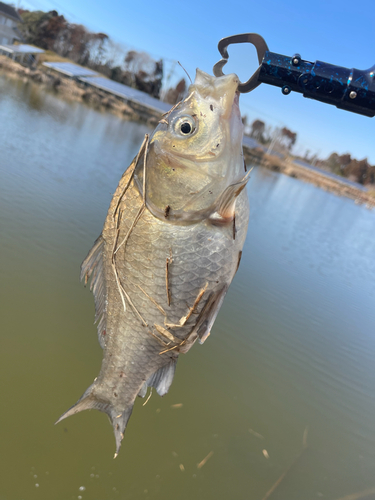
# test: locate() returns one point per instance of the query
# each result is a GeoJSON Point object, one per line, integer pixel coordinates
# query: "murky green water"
{"type": "Point", "coordinates": [293, 346]}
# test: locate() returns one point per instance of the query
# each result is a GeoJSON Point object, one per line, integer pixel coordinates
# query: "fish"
{"type": "Point", "coordinates": [170, 246]}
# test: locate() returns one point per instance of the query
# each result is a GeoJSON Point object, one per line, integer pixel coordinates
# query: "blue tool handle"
{"type": "Point", "coordinates": [349, 89]}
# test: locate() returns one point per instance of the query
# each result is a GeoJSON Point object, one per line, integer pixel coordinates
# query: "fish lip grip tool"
{"type": "Point", "coordinates": [349, 89]}
{"type": "Point", "coordinates": [261, 48]}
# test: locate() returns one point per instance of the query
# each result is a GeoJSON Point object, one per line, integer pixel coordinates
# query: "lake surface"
{"type": "Point", "coordinates": [293, 347]}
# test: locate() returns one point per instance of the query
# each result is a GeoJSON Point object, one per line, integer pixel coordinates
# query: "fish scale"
{"type": "Point", "coordinates": [159, 277]}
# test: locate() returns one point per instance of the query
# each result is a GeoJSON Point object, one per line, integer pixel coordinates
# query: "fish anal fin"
{"type": "Point", "coordinates": [92, 268]}
{"type": "Point", "coordinates": [163, 377]}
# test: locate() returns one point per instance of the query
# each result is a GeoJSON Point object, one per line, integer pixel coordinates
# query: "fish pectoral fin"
{"type": "Point", "coordinates": [205, 319]}
{"type": "Point", "coordinates": [92, 267]}
{"type": "Point", "coordinates": [163, 377]}
{"type": "Point", "coordinates": [225, 206]}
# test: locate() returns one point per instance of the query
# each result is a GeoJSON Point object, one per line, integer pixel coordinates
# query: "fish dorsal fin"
{"type": "Point", "coordinates": [92, 267]}
{"type": "Point", "coordinates": [226, 203]}
{"type": "Point", "coordinates": [162, 378]}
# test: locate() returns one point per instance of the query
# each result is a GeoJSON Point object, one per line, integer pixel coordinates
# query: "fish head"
{"type": "Point", "coordinates": [195, 152]}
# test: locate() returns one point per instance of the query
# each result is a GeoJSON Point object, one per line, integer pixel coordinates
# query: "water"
{"type": "Point", "coordinates": [293, 346]}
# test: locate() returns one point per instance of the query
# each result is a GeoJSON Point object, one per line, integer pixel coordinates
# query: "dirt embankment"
{"type": "Point", "coordinates": [73, 90]}
{"type": "Point", "coordinates": [325, 182]}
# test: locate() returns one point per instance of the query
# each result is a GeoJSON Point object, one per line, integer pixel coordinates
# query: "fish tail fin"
{"type": "Point", "coordinates": [119, 423]}
{"type": "Point", "coordinates": [87, 401]}
{"type": "Point", "coordinates": [90, 401]}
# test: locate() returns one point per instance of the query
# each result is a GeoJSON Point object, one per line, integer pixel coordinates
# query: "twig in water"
{"type": "Point", "coordinates": [356, 496]}
{"type": "Point", "coordinates": [145, 403]}
{"type": "Point", "coordinates": [304, 439]}
{"type": "Point", "coordinates": [201, 464]}
{"type": "Point", "coordinates": [256, 434]}
{"type": "Point", "coordinates": [304, 446]}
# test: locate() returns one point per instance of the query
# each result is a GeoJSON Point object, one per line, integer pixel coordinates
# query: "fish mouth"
{"type": "Point", "coordinates": [231, 99]}
{"type": "Point", "coordinates": [223, 89]}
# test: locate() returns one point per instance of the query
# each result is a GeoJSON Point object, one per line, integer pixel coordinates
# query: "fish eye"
{"type": "Point", "coordinates": [185, 125]}
{"type": "Point", "coordinates": [186, 128]}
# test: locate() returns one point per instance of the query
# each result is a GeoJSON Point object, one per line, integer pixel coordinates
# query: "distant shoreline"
{"type": "Point", "coordinates": [320, 180]}
{"type": "Point", "coordinates": [72, 90]}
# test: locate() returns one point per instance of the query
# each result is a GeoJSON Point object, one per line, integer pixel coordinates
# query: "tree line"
{"type": "Point", "coordinates": [51, 31]}
{"type": "Point", "coordinates": [282, 140]}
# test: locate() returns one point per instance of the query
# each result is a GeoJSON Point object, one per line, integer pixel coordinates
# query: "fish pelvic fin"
{"type": "Point", "coordinates": [91, 401]}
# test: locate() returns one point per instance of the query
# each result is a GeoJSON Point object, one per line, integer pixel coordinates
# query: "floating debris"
{"type": "Point", "coordinates": [202, 463]}
{"type": "Point", "coordinates": [147, 400]}
{"type": "Point", "coordinates": [304, 439]}
{"type": "Point", "coordinates": [361, 494]}
{"type": "Point", "coordinates": [256, 434]}
{"type": "Point", "coordinates": [304, 446]}
{"type": "Point", "coordinates": [182, 468]}
{"type": "Point", "coordinates": [265, 453]}
{"type": "Point", "coordinates": [178, 405]}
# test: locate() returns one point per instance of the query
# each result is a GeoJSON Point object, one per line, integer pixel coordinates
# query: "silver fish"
{"type": "Point", "coordinates": [170, 247]}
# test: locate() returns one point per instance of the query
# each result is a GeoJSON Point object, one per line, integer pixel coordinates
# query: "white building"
{"type": "Point", "coordinates": [9, 18]}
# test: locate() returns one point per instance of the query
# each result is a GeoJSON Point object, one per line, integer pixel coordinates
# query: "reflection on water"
{"type": "Point", "coordinates": [293, 346]}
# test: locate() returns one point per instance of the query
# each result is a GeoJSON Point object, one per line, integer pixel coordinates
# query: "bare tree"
{"type": "Point", "coordinates": [257, 131]}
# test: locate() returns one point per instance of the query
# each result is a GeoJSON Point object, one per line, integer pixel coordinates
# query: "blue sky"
{"type": "Point", "coordinates": [338, 32]}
